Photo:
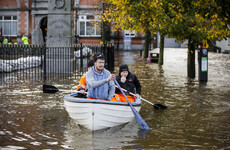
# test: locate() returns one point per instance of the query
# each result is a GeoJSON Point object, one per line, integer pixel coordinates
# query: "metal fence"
{"type": "Point", "coordinates": [37, 62]}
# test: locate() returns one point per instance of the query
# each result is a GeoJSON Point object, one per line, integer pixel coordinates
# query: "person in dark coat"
{"type": "Point", "coordinates": [1, 39]}
{"type": "Point", "coordinates": [128, 81]}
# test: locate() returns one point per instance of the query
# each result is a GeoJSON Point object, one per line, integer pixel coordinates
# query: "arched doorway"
{"type": "Point", "coordinates": [43, 26]}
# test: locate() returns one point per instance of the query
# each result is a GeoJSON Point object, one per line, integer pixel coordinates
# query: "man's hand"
{"type": "Point", "coordinates": [123, 79]}
{"type": "Point", "coordinates": [112, 77]}
{"type": "Point", "coordinates": [138, 96]}
{"type": "Point", "coordinates": [82, 91]}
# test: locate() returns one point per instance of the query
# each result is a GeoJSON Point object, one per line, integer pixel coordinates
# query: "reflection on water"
{"type": "Point", "coordinates": [113, 138]}
{"type": "Point", "coordinates": [197, 116]}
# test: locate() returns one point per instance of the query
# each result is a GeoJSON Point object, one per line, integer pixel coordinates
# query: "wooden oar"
{"type": "Point", "coordinates": [139, 119]}
{"type": "Point", "coordinates": [53, 89]}
{"type": "Point", "coordinates": [156, 106]}
{"type": "Point", "coordinates": [49, 89]}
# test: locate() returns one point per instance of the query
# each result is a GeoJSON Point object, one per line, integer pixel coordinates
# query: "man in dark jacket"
{"type": "Point", "coordinates": [128, 81]}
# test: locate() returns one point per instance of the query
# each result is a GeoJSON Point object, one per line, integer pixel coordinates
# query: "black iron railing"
{"type": "Point", "coordinates": [38, 62]}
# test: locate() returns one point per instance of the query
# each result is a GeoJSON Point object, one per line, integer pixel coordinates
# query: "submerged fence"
{"type": "Point", "coordinates": [37, 62]}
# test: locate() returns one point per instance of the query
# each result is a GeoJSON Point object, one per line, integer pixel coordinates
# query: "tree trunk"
{"type": "Point", "coordinates": [105, 32]}
{"type": "Point", "coordinates": [161, 54]}
{"type": "Point", "coordinates": [146, 45]}
{"type": "Point", "coordinates": [191, 60]}
{"type": "Point", "coordinates": [118, 39]}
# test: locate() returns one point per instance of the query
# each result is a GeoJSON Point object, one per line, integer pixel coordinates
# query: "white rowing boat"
{"type": "Point", "coordinates": [98, 114]}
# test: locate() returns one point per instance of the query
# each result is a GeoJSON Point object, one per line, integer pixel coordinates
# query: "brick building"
{"type": "Point", "coordinates": [15, 18]}
{"type": "Point", "coordinates": [26, 17]}
{"type": "Point", "coordinates": [87, 11]}
{"type": "Point", "coordinates": [29, 17]}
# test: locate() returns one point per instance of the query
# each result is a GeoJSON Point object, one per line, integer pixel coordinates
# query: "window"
{"type": "Point", "coordinates": [129, 34]}
{"type": "Point", "coordinates": [8, 24]}
{"type": "Point", "coordinates": [89, 25]}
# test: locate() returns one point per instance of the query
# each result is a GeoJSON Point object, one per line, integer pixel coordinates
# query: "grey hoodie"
{"type": "Point", "coordinates": [98, 87]}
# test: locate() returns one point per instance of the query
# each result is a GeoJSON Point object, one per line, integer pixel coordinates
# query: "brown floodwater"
{"type": "Point", "coordinates": [197, 117]}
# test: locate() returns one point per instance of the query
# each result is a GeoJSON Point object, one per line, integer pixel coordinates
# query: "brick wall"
{"type": "Point", "coordinates": [22, 22]}
{"type": "Point", "coordinates": [25, 20]}
{"type": "Point", "coordinates": [136, 41]}
{"type": "Point", "coordinates": [8, 3]}
{"type": "Point", "coordinates": [90, 2]}
{"type": "Point", "coordinates": [90, 40]}
{"type": "Point", "coordinates": [23, 3]}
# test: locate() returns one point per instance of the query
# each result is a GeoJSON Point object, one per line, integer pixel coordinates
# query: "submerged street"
{"type": "Point", "coordinates": [197, 117]}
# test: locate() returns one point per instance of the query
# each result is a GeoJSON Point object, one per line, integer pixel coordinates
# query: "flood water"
{"type": "Point", "coordinates": [197, 117]}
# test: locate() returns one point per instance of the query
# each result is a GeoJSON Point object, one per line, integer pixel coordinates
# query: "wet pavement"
{"type": "Point", "coordinates": [197, 117]}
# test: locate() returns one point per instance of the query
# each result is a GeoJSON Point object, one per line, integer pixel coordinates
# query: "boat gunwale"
{"type": "Point", "coordinates": [84, 100]}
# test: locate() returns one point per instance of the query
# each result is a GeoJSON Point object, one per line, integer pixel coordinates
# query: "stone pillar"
{"type": "Point", "coordinates": [37, 37]}
{"type": "Point", "coordinates": [59, 37]}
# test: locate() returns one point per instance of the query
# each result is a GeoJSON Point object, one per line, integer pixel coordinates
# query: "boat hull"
{"type": "Point", "coordinates": [97, 114]}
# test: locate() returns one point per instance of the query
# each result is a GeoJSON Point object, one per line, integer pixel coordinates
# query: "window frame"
{"type": "Point", "coordinates": [85, 19]}
{"type": "Point", "coordinates": [130, 34]}
{"type": "Point", "coordinates": [12, 23]}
